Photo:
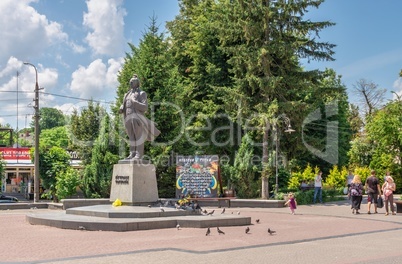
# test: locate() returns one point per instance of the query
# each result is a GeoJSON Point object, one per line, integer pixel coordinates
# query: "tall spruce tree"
{"type": "Point", "coordinates": [265, 41]}
{"type": "Point", "coordinates": [151, 62]}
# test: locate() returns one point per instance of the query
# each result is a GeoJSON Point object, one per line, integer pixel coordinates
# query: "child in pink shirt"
{"type": "Point", "coordinates": [292, 203]}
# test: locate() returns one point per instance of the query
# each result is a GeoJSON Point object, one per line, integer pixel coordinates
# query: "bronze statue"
{"type": "Point", "coordinates": [139, 128]}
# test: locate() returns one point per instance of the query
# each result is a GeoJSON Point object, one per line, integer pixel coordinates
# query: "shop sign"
{"type": "Point", "coordinates": [15, 153]}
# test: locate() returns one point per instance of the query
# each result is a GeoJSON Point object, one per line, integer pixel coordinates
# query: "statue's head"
{"type": "Point", "coordinates": [134, 82]}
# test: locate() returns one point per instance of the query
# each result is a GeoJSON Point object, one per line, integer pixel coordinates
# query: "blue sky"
{"type": "Point", "coordinates": [369, 41]}
{"type": "Point", "coordinates": [78, 47]}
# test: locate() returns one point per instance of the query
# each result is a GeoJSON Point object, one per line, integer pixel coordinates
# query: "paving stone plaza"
{"type": "Point", "coordinates": [323, 233]}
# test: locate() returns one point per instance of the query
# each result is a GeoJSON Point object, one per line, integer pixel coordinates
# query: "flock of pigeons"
{"type": "Point", "coordinates": [220, 232]}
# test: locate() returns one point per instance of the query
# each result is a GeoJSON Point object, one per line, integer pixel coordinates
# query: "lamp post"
{"type": "Point", "coordinates": [288, 130]}
{"type": "Point", "coordinates": [36, 157]}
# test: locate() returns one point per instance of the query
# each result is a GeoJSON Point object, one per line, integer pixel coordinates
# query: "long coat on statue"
{"type": "Point", "coordinates": [138, 127]}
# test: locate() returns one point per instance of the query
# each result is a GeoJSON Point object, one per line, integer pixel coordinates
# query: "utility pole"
{"type": "Point", "coordinates": [36, 157]}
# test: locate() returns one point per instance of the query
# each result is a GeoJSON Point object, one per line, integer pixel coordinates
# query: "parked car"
{"type": "Point", "coordinates": [8, 199]}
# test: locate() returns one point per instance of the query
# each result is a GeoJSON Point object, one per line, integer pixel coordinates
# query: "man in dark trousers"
{"type": "Point", "coordinates": [373, 190]}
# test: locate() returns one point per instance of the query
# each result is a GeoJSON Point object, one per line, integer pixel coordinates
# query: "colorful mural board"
{"type": "Point", "coordinates": [197, 176]}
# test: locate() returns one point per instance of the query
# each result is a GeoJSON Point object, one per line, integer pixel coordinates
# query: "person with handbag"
{"type": "Point", "coordinates": [388, 189]}
{"type": "Point", "coordinates": [356, 193]}
{"type": "Point", "coordinates": [373, 191]}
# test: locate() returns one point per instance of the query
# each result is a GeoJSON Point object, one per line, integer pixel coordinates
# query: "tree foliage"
{"type": "Point", "coordinates": [84, 128]}
{"type": "Point", "coordinates": [384, 130]}
{"type": "Point", "coordinates": [53, 161]}
{"type": "Point", "coordinates": [56, 136]}
{"type": "Point", "coordinates": [67, 182]}
{"type": "Point", "coordinates": [49, 118]}
{"type": "Point", "coordinates": [244, 172]}
{"type": "Point", "coordinates": [97, 176]}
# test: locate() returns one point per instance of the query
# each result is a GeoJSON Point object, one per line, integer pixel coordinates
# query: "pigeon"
{"type": "Point", "coordinates": [220, 231]}
{"type": "Point", "coordinates": [210, 213]}
{"type": "Point", "coordinates": [238, 212]}
{"type": "Point", "coordinates": [205, 211]}
{"type": "Point", "coordinates": [271, 232]}
{"type": "Point", "coordinates": [208, 232]}
{"type": "Point", "coordinates": [232, 212]}
{"type": "Point", "coordinates": [149, 205]}
{"type": "Point", "coordinates": [247, 230]}
{"type": "Point", "coordinates": [257, 221]}
{"type": "Point", "coordinates": [178, 227]}
{"type": "Point", "coordinates": [81, 228]}
{"type": "Point", "coordinates": [162, 210]}
{"type": "Point", "coordinates": [223, 211]}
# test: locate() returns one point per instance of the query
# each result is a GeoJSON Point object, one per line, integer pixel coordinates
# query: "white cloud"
{"type": "Point", "coordinates": [398, 86]}
{"type": "Point", "coordinates": [105, 19]}
{"type": "Point", "coordinates": [97, 80]}
{"type": "Point", "coordinates": [68, 108]}
{"type": "Point", "coordinates": [77, 48]}
{"type": "Point", "coordinates": [113, 70]}
{"type": "Point", "coordinates": [17, 94]}
{"type": "Point", "coordinates": [24, 32]}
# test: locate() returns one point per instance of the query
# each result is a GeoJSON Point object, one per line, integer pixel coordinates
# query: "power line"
{"type": "Point", "coordinates": [63, 96]}
{"type": "Point", "coordinates": [77, 98]}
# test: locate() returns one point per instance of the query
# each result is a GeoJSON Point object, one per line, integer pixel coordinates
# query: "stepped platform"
{"type": "Point", "coordinates": [131, 218]}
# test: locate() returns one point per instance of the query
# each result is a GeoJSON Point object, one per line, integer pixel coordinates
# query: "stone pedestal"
{"type": "Point", "coordinates": [134, 183]}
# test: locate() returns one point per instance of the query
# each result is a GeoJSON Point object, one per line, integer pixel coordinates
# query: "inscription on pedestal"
{"type": "Point", "coordinates": [122, 179]}
{"type": "Point", "coordinates": [134, 183]}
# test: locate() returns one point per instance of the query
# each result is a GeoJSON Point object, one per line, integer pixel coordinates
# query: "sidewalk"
{"type": "Point", "coordinates": [327, 233]}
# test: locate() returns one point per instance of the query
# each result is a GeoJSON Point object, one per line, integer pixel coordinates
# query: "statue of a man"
{"type": "Point", "coordinates": [139, 128]}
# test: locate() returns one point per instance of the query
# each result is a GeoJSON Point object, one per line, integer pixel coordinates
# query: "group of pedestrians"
{"type": "Point", "coordinates": [374, 192]}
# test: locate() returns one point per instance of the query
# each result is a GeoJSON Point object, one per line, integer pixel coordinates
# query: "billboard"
{"type": "Point", "coordinates": [197, 176]}
{"type": "Point", "coordinates": [15, 153]}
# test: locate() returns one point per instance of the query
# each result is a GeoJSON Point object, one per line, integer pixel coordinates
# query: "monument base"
{"type": "Point", "coordinates": [134, 183]}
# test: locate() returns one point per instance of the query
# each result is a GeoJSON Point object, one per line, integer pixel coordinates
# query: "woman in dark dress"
{"type": "Point", "coordinates": [356, 193]}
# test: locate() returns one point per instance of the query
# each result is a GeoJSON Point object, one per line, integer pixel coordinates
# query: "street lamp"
{"type": "Point", "coordinates": [36, 157]}
{"type": "Point", "coordinates": [288, 130]}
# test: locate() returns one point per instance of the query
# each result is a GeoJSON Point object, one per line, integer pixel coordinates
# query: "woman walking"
{"type": "Point", "coordinates": [388, 189]}
{"type": "Point", "coordinates": [356, 193]}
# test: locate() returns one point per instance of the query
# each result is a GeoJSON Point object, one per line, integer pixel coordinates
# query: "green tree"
{"type": "Point", "coordinates": [53, 161]}
{"type": "Point", "coordinates": [361, 151]}
{"type": "Point", "coordinates": [264, 42]}
{"type": "Point", "coordinates": [326, 129]}
{"type": "Point", "coordinates": [7, 135]}
{"type": "Point", "coordinates": [151, 60]}
{"type": "Point", "coordinates": [244, 173]}
{"type": "Point", "coordinates": [49, 118]}
{"type": "Point", "coordinates": [84, 128]}
{"type": "Point", "coordinates": [97, 176]}
{"type": "Point", "coordinates": [56, 136]}
{"type": "Point", "coordinates": [67, 182]}
{"type": "Point", "coordinates": [355, 120]}
{"type": "Point", "coordinates": [202, 68]}
{"type": "Point", "coordinates": [336, 177]}
{"type": "Point", "coordinates": [384, 130]}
